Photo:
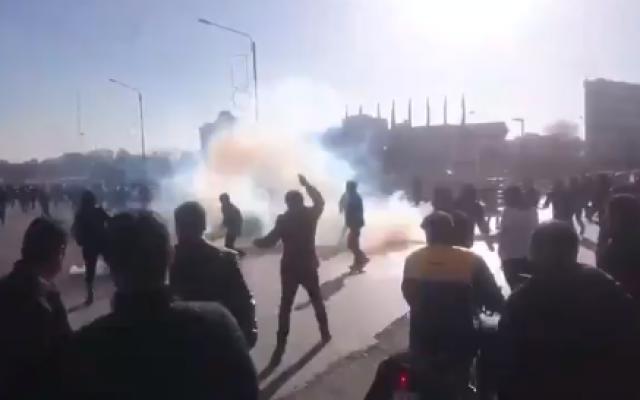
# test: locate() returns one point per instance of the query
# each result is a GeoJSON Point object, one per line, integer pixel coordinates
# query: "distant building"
{"type": "Point", "coordinates": [612, 123]}
{"type": "Point", "coordinates": [468, 152]}
{"type": "Point", "coordinates": [224, 122]}
{"type": "Point", "coordinates": [361, 141]}
{"type": "Point", "coordinates": [547, 156]}
{"type": "Point", "coordinates": [401, 152]}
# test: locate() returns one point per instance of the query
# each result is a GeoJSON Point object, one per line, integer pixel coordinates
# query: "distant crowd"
{"type": "Point", "coordinates": [183, 319]}
{"type": "Point", "coordinates": [32, 197]}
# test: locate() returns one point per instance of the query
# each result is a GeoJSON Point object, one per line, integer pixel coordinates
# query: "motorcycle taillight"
{"type": "Point", "coordinates": [403, 380]}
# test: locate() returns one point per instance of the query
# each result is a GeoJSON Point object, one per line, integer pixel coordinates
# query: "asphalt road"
{"type": "Point", "coordinates": [365, 312]}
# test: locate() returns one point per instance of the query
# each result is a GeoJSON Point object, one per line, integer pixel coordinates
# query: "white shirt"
{"type": "Point", "coordinates": [516, 227]}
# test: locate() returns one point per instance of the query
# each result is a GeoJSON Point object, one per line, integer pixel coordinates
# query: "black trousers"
{"type": "Point", "coordinates": [353, 243]}
{"type": "Point", "coordinates": [230, 242]}
{"type": "Point", "coordinates": [90, 257]}
{"type": "Point", "coordinates": [308, 279]}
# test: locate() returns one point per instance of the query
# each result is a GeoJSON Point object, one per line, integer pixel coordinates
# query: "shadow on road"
{"type": "Point", "coordinates": [329, 288]}
{"type": "Point", "coordinates": [325, 252]}
{"type": "Point", "coordinates": [350, 376]}
{"type": "Point", "coordinates": [272, 388]}
{"type": "Point", "coordinates": [82, 305]}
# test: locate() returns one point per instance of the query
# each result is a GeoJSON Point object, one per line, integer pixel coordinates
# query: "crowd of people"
{"type": "Point", "coordinates": [26, 197]}
{"type": "Point", "coordinates": [183, 320]}
{"type": "Point", "coordinates": [187, 339]}
{"type": "Point", "coordinates": [567, 331]}
{"type": "Point", "coordinates": [41, 197]}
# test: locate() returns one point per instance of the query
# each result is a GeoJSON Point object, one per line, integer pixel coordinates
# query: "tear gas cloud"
{"type": "Point", "coordinates": [258, 163]}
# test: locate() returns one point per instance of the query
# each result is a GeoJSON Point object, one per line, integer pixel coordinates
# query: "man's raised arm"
{"type": "Point", "coordinates": [316, 198]}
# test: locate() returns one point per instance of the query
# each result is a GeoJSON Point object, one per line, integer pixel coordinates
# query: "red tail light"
{"type": "Point", "coordinates": [403, 381]}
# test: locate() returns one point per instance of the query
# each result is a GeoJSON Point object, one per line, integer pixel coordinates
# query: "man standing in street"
{"type": "Point", "coordinates": [44, 200]}
{"type": "Point", "coordinates": [35, 327]}
{"type": "Point", "coordinates": [232, 221]}
{"type": "Point", "coordinates": [354, 221]}
{"type": "Point", "coordinates": [531, 194]}
{"type": "Point", "coordinates": [299, 265]}
{"type": "Point", "coordinates": [150, 346]}
{"type": "Point", "coordinates": [89, 230]}
{"type": "Point", "coordinates": [202, 272]}
{"type": "Point", "coordinates": [560, 200]}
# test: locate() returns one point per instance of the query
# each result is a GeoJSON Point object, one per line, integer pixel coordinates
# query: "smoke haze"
{"type": "Point", "coordinates": [258, 163]}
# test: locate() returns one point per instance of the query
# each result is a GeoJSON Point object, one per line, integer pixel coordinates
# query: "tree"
{"type": "Point", "coordinates": [122, 155]}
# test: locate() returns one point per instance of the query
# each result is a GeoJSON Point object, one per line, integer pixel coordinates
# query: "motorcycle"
{"type": "Point", "coordinates": [437, 376]}
{"type": "Point", "coordinates": [402, 377]}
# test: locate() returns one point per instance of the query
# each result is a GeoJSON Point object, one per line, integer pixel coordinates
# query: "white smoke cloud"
{"type": "Point", "coordinates": [258, 163]}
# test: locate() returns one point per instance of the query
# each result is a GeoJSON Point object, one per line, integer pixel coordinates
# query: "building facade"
{"type": "Point", "coordinates": [401, 152]}
{"type": "Point", "coordinates": [612, 123]}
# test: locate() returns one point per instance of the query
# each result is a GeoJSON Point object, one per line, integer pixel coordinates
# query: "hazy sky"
{"type": "Point", "coordinates": [510, 57]}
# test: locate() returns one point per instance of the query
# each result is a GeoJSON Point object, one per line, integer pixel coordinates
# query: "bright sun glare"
{"type": "Point", "coordinates": [464, 21]}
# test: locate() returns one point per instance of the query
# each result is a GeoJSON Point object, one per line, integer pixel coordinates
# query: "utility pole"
{"type": "Point", "coordinates": [253, 55]}
{"type": "Point", "coordinates": [142, 138]}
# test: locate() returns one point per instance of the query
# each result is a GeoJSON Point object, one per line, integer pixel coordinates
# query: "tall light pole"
{"type": "Point", "coordinates": [521, 121]}
{"type": "Point", "coordinates": [142, 140]}
{"type": "Point", "coordinates": [253, 55]}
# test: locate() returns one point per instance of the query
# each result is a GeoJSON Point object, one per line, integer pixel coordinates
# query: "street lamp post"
{"type": "Point", "coordinates": [521, 121]}
{"type": "Point", "coordinates": [253, 55]}
{"type": "Point", "coordinates": [142, 139]}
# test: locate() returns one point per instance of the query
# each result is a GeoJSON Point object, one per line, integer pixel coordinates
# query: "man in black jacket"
{"type": "Point", "coordinates": [201, 272]}
{"type": "Point", "coordinates": [299, 265]}
{"type": "Point", "coordinates": [351, 205]}
{"type": "Point", "coordinates": [232, 222]}
{"type": "Point", "coordinates": [560, 200]}
{"type": "Point", "coordinates": [89, 231]}
{"type": "Point", "coordinates": [570, 332]}
{"type": "Point", "coordinates": [148, 346]}
{"type": "Point", "coordinates": [34, 321]}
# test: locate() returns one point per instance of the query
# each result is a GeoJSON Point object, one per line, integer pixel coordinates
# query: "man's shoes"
{"type": "Point", "coordinates": [358, 265]}
{"type": "Point", "coordinates": [361, 261]}
{"type": "Point", "coordinates": [326, 336]}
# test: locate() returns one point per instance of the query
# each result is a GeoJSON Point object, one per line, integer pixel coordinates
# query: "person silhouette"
{"type": "Point", "coordinates": [296, 228]}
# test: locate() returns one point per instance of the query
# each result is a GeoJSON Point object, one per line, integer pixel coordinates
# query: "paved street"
{"type": "Point", "coordinates": [365, 313]}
